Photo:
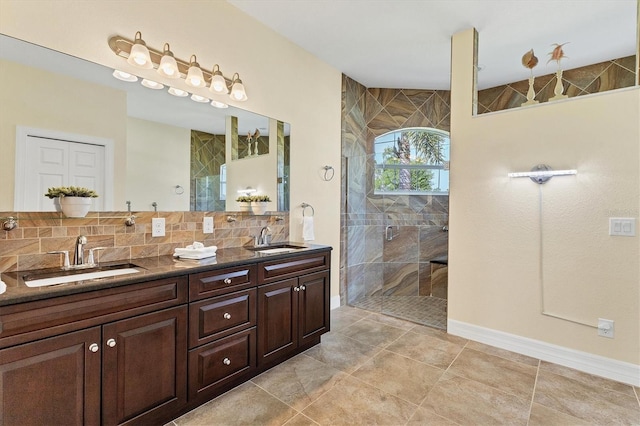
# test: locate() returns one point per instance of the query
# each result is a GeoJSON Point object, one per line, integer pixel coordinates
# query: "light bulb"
{"type": "Point", "coordinates": [124, 76]}
{"type": "Point", "coordinates": [168, 66]}
{"type": "Point", "coordinates": [195, 78]}
{"type": "Point", "coordinates": [139, 55]}
{"type": "Point", "coordinates": [178, 92]}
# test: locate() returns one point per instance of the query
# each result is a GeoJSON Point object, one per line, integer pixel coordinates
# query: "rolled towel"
{"type": "Point", "coordinates": [307, 228]}
{"type": "Point", "coordinates": [3, 287]}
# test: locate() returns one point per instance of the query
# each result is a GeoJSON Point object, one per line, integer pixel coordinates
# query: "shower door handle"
{"type": "Point", "coordinates": [389, 233]}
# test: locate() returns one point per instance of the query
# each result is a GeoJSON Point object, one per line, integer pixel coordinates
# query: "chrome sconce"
{"type": "Point", "coordinates": [542, 173]}
{"type": "Point", "coordinates": [138, 54]}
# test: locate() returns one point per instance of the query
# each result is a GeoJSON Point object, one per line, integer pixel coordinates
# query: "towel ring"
{"type": "Point", "coordinates": [179, 190]}
{"type": "Point", "coordinates": [304, 207]}
{"type": "Point", "coordinates": [328, 176]}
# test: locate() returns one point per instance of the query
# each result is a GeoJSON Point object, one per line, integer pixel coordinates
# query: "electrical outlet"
{"type": "Point", "coordinates": [207, 225]}
{"type": "Point", "coordinates": [605, 328]}
{"type": "Point", "coordinates": [157, 227]}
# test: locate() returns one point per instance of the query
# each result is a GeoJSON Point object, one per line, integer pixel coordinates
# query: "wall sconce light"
{"type": "Point", "coordinates": [237, 89]}
{"type": "Point", "coordinates": [138, 54]}
{"type": "Point", "coordinates": [542, 173]}
{"type": "Point", "coordinates": [247, 191]}
{"type": "Point", "coordinates": [168, 66]}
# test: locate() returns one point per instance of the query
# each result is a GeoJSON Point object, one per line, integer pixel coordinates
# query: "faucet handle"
{"type": "Point", "coordinates": [90, 259]}
{"type": "Point", "coordinates": [66, 256]}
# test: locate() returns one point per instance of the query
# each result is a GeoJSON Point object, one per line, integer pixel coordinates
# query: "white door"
{"type": "Point", "coordinates": [48, 162]}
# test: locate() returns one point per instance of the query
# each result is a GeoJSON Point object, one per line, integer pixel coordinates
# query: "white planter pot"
{"type": "Point", "coordinates": [75, 206]}
{"type": "Point", "coordinates": [259, 207]}
{"type": "Point", "coordinates": [244, 207]}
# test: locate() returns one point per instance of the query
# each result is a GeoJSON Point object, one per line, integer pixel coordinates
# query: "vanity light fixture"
{"type": "Point", "coordinates": [247, 191]}
{"type": "Point", "coordinates": [199, 98]}
{"type": "Point", "coordinates": [237, 89]}
{"type": "Point", "coordinates": [124, 76]}
{"type": "Point", "coordinates": [218, 83]}
{"type": "Point", "coordinates": [139, 55]}
{"type": "Point", "coordinates": [218, 104]}
{"type": "Point", "coordinates": [168, 66]}
{"type": "Point", "coordinates": [150, 84]}
{"type": "Point", "coordinates": [178, 92]}
{"type": "Point", "coordinates": [542, 173]}
{"type": "Point", "coordinates": [195, 78]}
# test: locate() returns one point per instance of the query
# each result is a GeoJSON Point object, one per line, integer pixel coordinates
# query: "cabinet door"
{"type": "Point", "coordinates": [277, 328]}
{"type": "Point", "coordinates": [145, 367]}
{"type": "Point", "coordinates": [313, 306]}
{"type": "Point", "coordinates": [52, 381]}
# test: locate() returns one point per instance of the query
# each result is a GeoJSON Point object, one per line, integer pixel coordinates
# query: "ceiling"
{"type": "Point", "coordinates": [406, 43]}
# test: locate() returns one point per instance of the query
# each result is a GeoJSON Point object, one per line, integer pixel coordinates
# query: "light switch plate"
{"type": "Point", "coordinates": [157, 227]}
{"type": "Point", "coordinates": [207, 225]}
{"type": "Point", "coordinates": [622, 226]}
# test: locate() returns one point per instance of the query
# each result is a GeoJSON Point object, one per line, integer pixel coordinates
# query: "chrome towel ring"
{"type": "Point", "coordinates": [304, 207]}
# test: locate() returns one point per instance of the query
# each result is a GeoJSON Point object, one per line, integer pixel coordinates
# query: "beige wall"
{"type": "Point", "coordinates": [282, 80]}
{"type": "Point", "coordinates": [494, 220]}
{"type": "Point", "coordinates": [157, 160]}
{"type": "Point", "coordinates": [46, 104]}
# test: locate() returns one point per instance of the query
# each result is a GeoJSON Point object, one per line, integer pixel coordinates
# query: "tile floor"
{"type": "Point", "coordinates": [372, 369]}
{"type": "Point", "coordinates": [427, 310]}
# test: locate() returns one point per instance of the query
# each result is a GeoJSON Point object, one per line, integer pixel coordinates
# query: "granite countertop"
{"type": "Point", "coordinates": [151, 268]}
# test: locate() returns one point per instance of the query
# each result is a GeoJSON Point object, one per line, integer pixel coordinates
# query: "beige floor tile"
{"type": "Point", "coordinates": [502, 353]}
{"type": "Point", "coordinates": [545, 416]}
{"type": "Point", "coordinates": [394, 322]}
{"type": "Point", "coordinates": [300, 420]}
{"type": "Point", "coordinates": [245, 405]}
{"type": "Point", "coordinates": [422, 417]}
{"type": "Point", "coordinates": [341, 352]}
{"type": "Point", "coordinates": [342, 318]}
{"type": "Point", "coordinates": [299, 381]}
{"type": "Point", "coordinates": [373, 333]}
{"type": "Point", "coordinates": [507, 376]}
{"type": "Point", "coordinates": [587, 378]}
{"type": "Point", "coordinates": [468, 402]}
{"type": "Point", "coordinates": [439, 334]}
{"type": "Point", "coordinates": [586, 401]}
{"type": "Point", "coordinates": [356, 403]}
{"type": "Point", "coordinates": [403, 377]}
{"type": "Point", "coordinates": [430, 350]}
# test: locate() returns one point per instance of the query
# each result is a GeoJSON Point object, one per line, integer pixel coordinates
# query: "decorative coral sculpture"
{"type": "Point", "coordinates": [557, 53]}
{"type": "Point", "coordinates": [529, 60]}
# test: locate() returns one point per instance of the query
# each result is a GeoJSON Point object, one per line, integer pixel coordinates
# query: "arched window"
{"type": "Point", "coordinates": [412, 161]}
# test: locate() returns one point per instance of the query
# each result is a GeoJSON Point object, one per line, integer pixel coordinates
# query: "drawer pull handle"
{"type": "Point", "coordinates": [227, 281]}
{"type": "Point", "coordinates": [227, 315]}
{"type": "Point", "coordinates": [303, 288]}
{"type": "Point", "coordinates": [94, 347]}
{"type": "Point", "coordinates": [226, 361]}
{"type": "Point", "coordinates": [296, 289]}
{"type": "Point", "coordinates": [111, 342]}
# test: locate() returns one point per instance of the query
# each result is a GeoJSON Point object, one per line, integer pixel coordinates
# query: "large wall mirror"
{"type": "Point", "coordinates": [169, 153]}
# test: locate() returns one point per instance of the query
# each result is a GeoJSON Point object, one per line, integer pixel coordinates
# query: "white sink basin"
{"type": "Point", "coordinates": [277, 250]}
{"type": "Point", "coordinates": [89, 275]}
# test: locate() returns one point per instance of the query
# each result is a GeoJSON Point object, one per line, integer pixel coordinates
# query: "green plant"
{"type": "Point", "coordinates": [70, 191]}
{"type": "Point", "coordinates": [244, 199]}
{"type": "Point", "coordinates": [260, 198]}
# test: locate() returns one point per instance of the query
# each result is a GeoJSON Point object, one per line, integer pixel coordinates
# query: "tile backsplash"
{"type": "Point", "coordinates": [37, 233]}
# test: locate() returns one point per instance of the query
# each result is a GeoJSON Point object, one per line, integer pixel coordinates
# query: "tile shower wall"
{"type": "Point", "coordinates": [601, 77]}
{"type": "Point", "coordinates": [207, 155]}
{"type": "Point", "coordinates": [370, 266]}
{"type": "Point", "coordinates": [25, 247]}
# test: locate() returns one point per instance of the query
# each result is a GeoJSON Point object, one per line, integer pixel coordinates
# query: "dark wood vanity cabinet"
{"type": "Point", "coordinates": [292, 312]}
{"type": "Point", "coordinates": [123, 369]}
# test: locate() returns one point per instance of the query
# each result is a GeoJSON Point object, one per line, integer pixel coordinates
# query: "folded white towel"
{"type": "Point", "coordinates": [307, 228]}
{"type": "Point", "coordinates": [193, 253]}
{"type": "Point", "coordinates": [3, 287]}
{"type": "Point", "coordinates": [196, 245]}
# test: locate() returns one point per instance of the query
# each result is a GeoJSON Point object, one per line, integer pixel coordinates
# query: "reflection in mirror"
{"type": "Point", "coordinates": [589, 52]}
{"type": "Point", "coordinates": [169, 151]}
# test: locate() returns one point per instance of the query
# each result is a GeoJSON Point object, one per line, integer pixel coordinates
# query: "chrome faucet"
{"type": "Point", "coordinates": [263, 240]}
{"type": "Point", "coordinates": [78, 257]}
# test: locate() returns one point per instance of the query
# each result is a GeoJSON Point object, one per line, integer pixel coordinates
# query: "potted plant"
{"type": "Point", "coordinates": [75, 201]}
{"type": "Point", "coordinates": [259, 203]}
{"type": "Point", "coordinates": [244, 202]}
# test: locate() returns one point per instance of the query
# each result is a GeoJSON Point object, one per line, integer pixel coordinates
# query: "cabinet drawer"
{"type": "Point", "coordinates": [294, 266]}
{"type": "Point", "coordinates": [221, 316]}
{"type": "Point", "coordinates": [34, 320]}
{"type": "Point", "coordinates": [219, 363]}
{"type": "Point", "coordinates": [221, 281]}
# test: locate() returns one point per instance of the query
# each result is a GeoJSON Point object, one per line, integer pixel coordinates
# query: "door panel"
{"type": "Point", "coordinates": [277, 328]}
{"type": "Point", "coordinates": [314, 306]}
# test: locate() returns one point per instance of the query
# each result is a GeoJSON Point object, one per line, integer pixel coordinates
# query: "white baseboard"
{"type": "Point", "coordinates": [593, 364]}
{"type": "Point", "coordinates": [335, 302]}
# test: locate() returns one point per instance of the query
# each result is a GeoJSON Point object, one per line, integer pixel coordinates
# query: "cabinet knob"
{"type": "Point", "coordinates": [303, 288]}
{"type": "Point", "coordinates": [227, 281]}
{"type": "Point", "coordinates": [111, 342]}
{"type": "Point", "coordinates": [226, 361]}
{"type": "Point", "coordinates": [227, 315]}
{"type": "Point", "coordinates": [296, 289]}
{"type": "Point", "coordinates": [94, 347]}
